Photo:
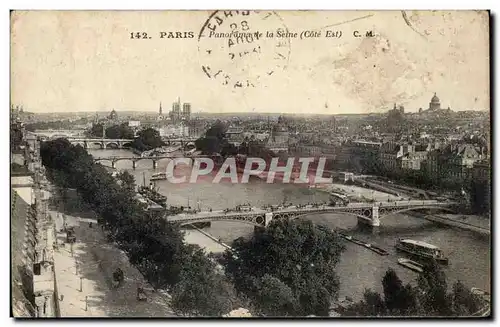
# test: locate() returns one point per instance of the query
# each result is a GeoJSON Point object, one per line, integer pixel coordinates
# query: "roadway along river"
{"type": "Point", "coordinates": [359, 268]}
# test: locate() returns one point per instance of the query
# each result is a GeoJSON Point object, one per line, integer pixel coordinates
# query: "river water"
{"type": "Point", "coordinates": [359, 268]}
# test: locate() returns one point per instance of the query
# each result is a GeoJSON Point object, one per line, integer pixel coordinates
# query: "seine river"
{"type": "Point", "coordinates": [359, 268]}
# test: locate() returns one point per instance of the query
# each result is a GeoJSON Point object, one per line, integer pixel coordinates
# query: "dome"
{"type": "Point", "coordinates": [435, 99]}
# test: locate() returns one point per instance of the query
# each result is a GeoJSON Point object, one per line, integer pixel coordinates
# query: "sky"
{"type": "Point", "coordinates": [87, 61]}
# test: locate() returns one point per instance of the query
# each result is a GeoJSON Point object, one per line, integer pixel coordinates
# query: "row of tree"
{"type": "Point", "coordinates": [287, 269]}
{"type": "Point", "coordinates": [155, 246]}
{"type": "Point", "coordinates": [120, 131]}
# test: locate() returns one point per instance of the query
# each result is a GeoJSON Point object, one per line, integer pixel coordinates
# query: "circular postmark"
{"type": "Point", "coordinates": [239, 48]}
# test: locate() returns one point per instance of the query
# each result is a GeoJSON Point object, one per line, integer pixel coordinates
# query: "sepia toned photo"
{"type": "Point", "coordinates": [250, 164]}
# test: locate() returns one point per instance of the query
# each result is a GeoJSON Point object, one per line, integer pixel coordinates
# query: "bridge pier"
{"type": "Point", "coordinates": [268, 218]}
{"type": "Point", "coordinates": [372, 221]}
{"type": "Point", "coordinates": [113, 164]}
{"type": "Point", "coordinates": [133, 164]}
{"type": "Point", "coordinates": [154, 164]}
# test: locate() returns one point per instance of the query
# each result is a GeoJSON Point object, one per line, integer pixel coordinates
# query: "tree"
{"type": "Point", "coordinates": [122, 131]}
{"type": "Point", "coordinates": [374, 304]}
{"type": "Point", "coordinates": [399, 299]}
{"type": "Point", "coordinates": [275, 298]}
{"type": "Point", "coordinates": [96, 130]}
{"type": "Point", "coordinates": [464, 301]}
{"type": "Point", "coordinates": [298, 253]}
{"type": "Point", "coordinates": [200, 290]}
{"type": "Point", "coordinates": [126, 180]}
{"type": "Point", "coordinates": [433, 290]}
{"type": "Point", "coordinates": [214, 140]}
{"type": "Point", "coordinates": [147, 139]}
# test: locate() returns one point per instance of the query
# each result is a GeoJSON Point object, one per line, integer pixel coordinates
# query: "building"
{"type": "Point", "coordinates": [359, 155]}
{"type": "Point", "coordinates": [451, 166]}
{"type": "Point", "coordinates": [278, 140]}
{"type": "Point", "coordinates": [160, 113]}
{"type": "Point", "coordinates": [134, 123]}
{"type": "Point", "coordinates": [176, 115]}
{"type": "Point", "coordinates": [481, 187]}
{"type": "Point", "coordinates": [113, 116]}
{"type": "Point", "coordinates": [434, 107]}
{"type": "Point", "coordinates": [186, 111]}
{"type": "Point", "coordinates": [235, 136]}
{"type": "Point", "coordinates": [178, 130]}
{"type": "Point", "coordinates": [435, 103]}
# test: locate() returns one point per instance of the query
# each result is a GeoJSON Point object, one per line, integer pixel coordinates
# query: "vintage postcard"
{"type": "Point", "coordinates": [250, 163]}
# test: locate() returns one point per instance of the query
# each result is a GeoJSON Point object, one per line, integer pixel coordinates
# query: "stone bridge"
{"type": "Point", "coordinates": [366, 213]}
{"type": "Point", "coordinates": [55, 134]}
{"type": "Point", "coordinates": [134, 160]}
{"type": "Point", "coordinates": [89, 143]}
{"type": "Point", "coordinates": [183, 141]}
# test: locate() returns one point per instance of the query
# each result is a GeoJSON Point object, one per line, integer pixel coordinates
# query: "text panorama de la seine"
{"type": "Point", "coordinates": [255, 35]}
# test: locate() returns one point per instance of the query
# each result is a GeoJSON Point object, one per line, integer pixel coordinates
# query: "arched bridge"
{"type": "Point", "coordinates": [88, 143]}
{"type": "Point", "coordinates": [50, 134]}
{"type": "Point", "coordinates": [134, 160]}
{"type": "Point", "coordinates": [183, 141]}
{"type": "Point", "coordinates": [367, 213]}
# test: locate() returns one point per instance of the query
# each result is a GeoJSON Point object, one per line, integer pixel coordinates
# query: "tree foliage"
{"type": "Point", "coordinates": [429, 298]}
{"type": "Point", "coordinates": [147, 139]}
{"type": "Point", "coordinates": [274, 298]}
{"type": "Point", "coordinates": [122, 131]}
{"type": "Point", "coordinates": [399, 299]}
{"type": "Point", "coordinates": [154, 245]}
{"type": "Point", "coordinates": [96, 130]}
{"type": "Point", "coordinates": [299, 254]}
{"type": "Point", "coordinates": [201, 291]}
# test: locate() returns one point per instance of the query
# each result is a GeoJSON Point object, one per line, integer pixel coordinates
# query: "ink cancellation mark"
{"type": "Point", "coordinates": [236, 51]}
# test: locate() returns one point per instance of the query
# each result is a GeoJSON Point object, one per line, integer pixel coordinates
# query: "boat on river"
{"type": "Point", "coordinates": [421, 249]}
{"type": "Point", "coordinates": [158, 177]}
{"type": "Point", "coordinates": [369, 246]}
{"type": "Point", "coordinates": [151, 193]}
{"type": "Point", "coordinates": [410, 264]}
{"type": "Point", "coordinates": [377, 249]}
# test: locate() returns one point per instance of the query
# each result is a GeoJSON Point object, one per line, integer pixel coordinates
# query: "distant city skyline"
{"type": "Point", "coordinates": [57, 66]}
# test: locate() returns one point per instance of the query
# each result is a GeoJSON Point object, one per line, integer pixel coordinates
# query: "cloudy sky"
{"type": "Point", "coordinates": [87, 61]}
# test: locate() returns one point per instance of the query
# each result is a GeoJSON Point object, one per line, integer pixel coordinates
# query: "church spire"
{"type": "Point", "coordinates": [160, 108]}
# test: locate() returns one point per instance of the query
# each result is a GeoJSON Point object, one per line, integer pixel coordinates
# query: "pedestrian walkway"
{"type": "Point", "coordinates": [84, 270]}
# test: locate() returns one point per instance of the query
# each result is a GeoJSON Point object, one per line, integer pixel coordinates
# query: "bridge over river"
{"type": "Point", "coordinates": [366, 213]}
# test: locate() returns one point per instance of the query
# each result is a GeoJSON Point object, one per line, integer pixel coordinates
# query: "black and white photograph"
{"type": "Point", "coordinates": [250, 164]}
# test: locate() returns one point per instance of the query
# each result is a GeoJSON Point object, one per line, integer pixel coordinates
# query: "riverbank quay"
{"type": "Point", "coordinates": [357, 192]}
{"type": "Point", "coordinates": [84, 271]}
{"type": "Point", "coordinates": [478, 224]}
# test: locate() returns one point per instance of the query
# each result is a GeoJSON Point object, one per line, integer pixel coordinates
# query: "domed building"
{"type": "Point", "coordinates": [278, 140]}
{"type": "Point", "coordinates": [435, 108]}
{"type": "Point", "coordinates": [435, 103]}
